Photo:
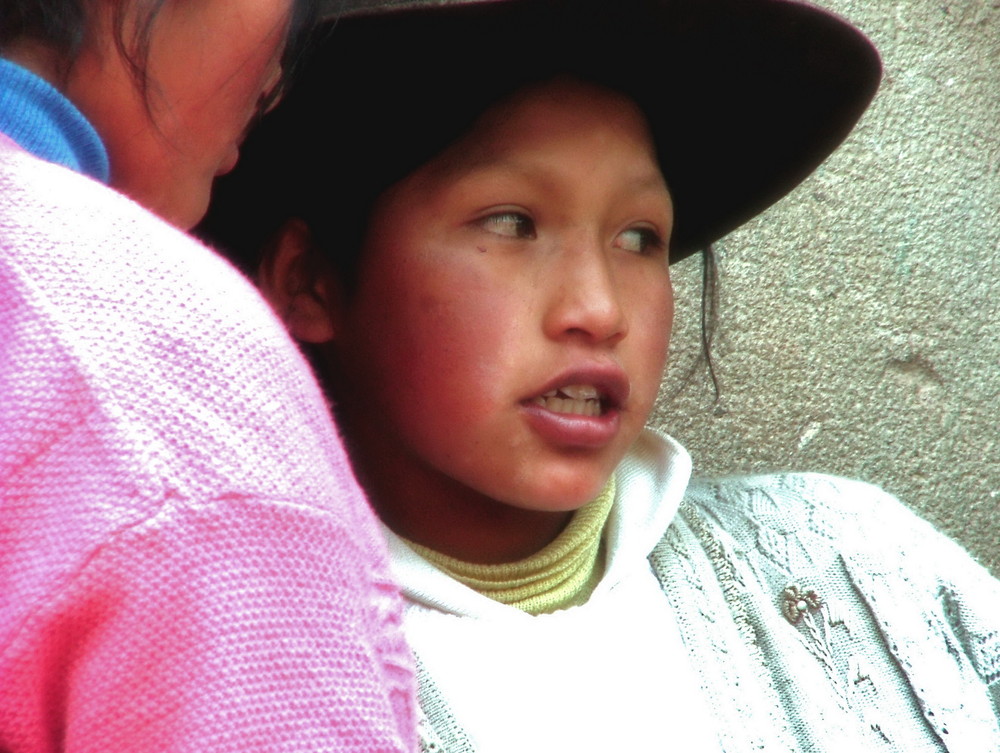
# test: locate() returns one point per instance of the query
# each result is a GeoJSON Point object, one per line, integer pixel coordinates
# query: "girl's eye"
{"type": "Point", "coordinates": [509, 225]}
{"type": "Point", "coordinates": [640, 240]}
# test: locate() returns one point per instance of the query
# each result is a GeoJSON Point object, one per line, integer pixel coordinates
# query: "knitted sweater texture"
{"type": "Point", "coordinates": [777, 613]}
{"type": "Point", "coordinates": [186, 561]}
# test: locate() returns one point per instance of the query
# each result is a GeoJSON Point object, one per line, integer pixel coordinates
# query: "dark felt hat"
{"type": "Point", "coordinates": [745, 97]}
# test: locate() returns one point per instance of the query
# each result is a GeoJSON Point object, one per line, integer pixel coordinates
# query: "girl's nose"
{"type": "Point", "coordinates": [585, 300]}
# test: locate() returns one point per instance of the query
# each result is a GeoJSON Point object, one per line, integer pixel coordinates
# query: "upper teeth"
{"type": "Point", "coordinates": [576, 392]}
{"type": "Point", "coordinates": [581, 399]}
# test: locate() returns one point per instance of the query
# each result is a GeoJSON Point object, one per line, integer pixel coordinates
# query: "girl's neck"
{"type": "Point", "coordinates": [463, 524]}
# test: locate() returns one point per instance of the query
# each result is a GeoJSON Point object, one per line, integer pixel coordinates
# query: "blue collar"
{"type": "Point", "coordinates": [42, 121]}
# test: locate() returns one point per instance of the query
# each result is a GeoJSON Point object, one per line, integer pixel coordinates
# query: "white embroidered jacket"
{"type": "Point", "coordinates": [817, 613]}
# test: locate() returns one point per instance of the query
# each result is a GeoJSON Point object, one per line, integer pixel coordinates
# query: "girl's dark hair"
{"type": "Point", "coordinates": [58, 23]}
{"type": "Point", "coordinates": [710, 316]}
{"type": "Point", "coordinates": [61, 24]}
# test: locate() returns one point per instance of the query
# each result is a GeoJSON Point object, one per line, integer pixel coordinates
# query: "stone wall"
{"type": "Point", "coordinates": [859, 327]}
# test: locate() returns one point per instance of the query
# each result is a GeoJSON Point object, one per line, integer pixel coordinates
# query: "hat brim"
{"type": "Point", "coordinates": [745, 97]}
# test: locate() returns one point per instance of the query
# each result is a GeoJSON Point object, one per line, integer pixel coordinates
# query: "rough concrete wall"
{"type": "Point", "coordinates": [860, 318]}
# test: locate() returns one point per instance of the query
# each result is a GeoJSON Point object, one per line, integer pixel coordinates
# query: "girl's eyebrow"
{"type": "Point", "coordinates": [654, 181]}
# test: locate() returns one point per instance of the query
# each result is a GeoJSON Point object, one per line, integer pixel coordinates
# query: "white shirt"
{"type": "Point", "coordinates": [587, 678]}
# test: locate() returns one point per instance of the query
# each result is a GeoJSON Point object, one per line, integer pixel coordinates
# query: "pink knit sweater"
{"type": "Point", "coordinates": [186, 562]}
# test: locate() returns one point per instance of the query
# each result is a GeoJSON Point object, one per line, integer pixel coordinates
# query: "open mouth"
{"type": "Point", "coordinates": [574, 399]}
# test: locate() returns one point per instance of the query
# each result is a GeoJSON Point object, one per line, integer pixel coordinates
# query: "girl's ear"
{"type": "Point", "coordinates": [299, 286]}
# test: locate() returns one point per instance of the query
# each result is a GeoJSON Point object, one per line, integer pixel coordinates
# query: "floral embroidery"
{"type": "Point", "coordinates": [795, 602]}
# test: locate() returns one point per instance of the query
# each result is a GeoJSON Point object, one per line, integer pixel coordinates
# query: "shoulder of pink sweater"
{"type": "Point", "coordinates": [145, 381]}
{"type": "Point", "coordinates": [227, 625]}
{"type": "Point", "coordinates": [137, 366]}
{"type": "Point", "coordinates": [186, 360]}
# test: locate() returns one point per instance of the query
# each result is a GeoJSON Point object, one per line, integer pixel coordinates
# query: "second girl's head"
{"type": "Point", "coordinates": [170, 86]}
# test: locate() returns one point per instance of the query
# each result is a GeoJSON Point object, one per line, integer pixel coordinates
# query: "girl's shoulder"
{"type": "Point", "coordinates": [825, 510]}
{"type": "Point", "coordinates": [816, 567]}
{"type": "Point", "coordinates": [839, 528]}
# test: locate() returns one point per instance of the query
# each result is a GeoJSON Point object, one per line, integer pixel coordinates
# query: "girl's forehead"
{"type": "Point", "coordinates": [540, 118]}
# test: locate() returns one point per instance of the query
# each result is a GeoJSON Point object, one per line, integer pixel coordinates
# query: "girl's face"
{"type": "Point", "coordinates": [506, 338]}
{"type": "Point", "coordinates": [210, 62]}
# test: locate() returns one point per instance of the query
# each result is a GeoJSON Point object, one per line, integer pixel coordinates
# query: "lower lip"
{"type": "Point", "coordinates": [571, 431]}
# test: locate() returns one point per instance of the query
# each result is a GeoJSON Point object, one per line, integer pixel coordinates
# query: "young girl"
{"type": "Point", "coordinates": [483, 217]}
{"type": "Point", "coordinates": [171, 484]}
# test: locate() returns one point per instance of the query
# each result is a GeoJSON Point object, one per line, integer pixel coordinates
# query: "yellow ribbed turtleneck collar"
{"type": "Point", "coordinates": [563, 574]}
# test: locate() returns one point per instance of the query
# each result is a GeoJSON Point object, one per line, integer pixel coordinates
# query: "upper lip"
{"type": "Point", "coordinates": [611, 382]}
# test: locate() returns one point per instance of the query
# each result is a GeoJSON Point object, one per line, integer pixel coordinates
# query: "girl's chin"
{"type": "Point", "coordinates": [552, 500]}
